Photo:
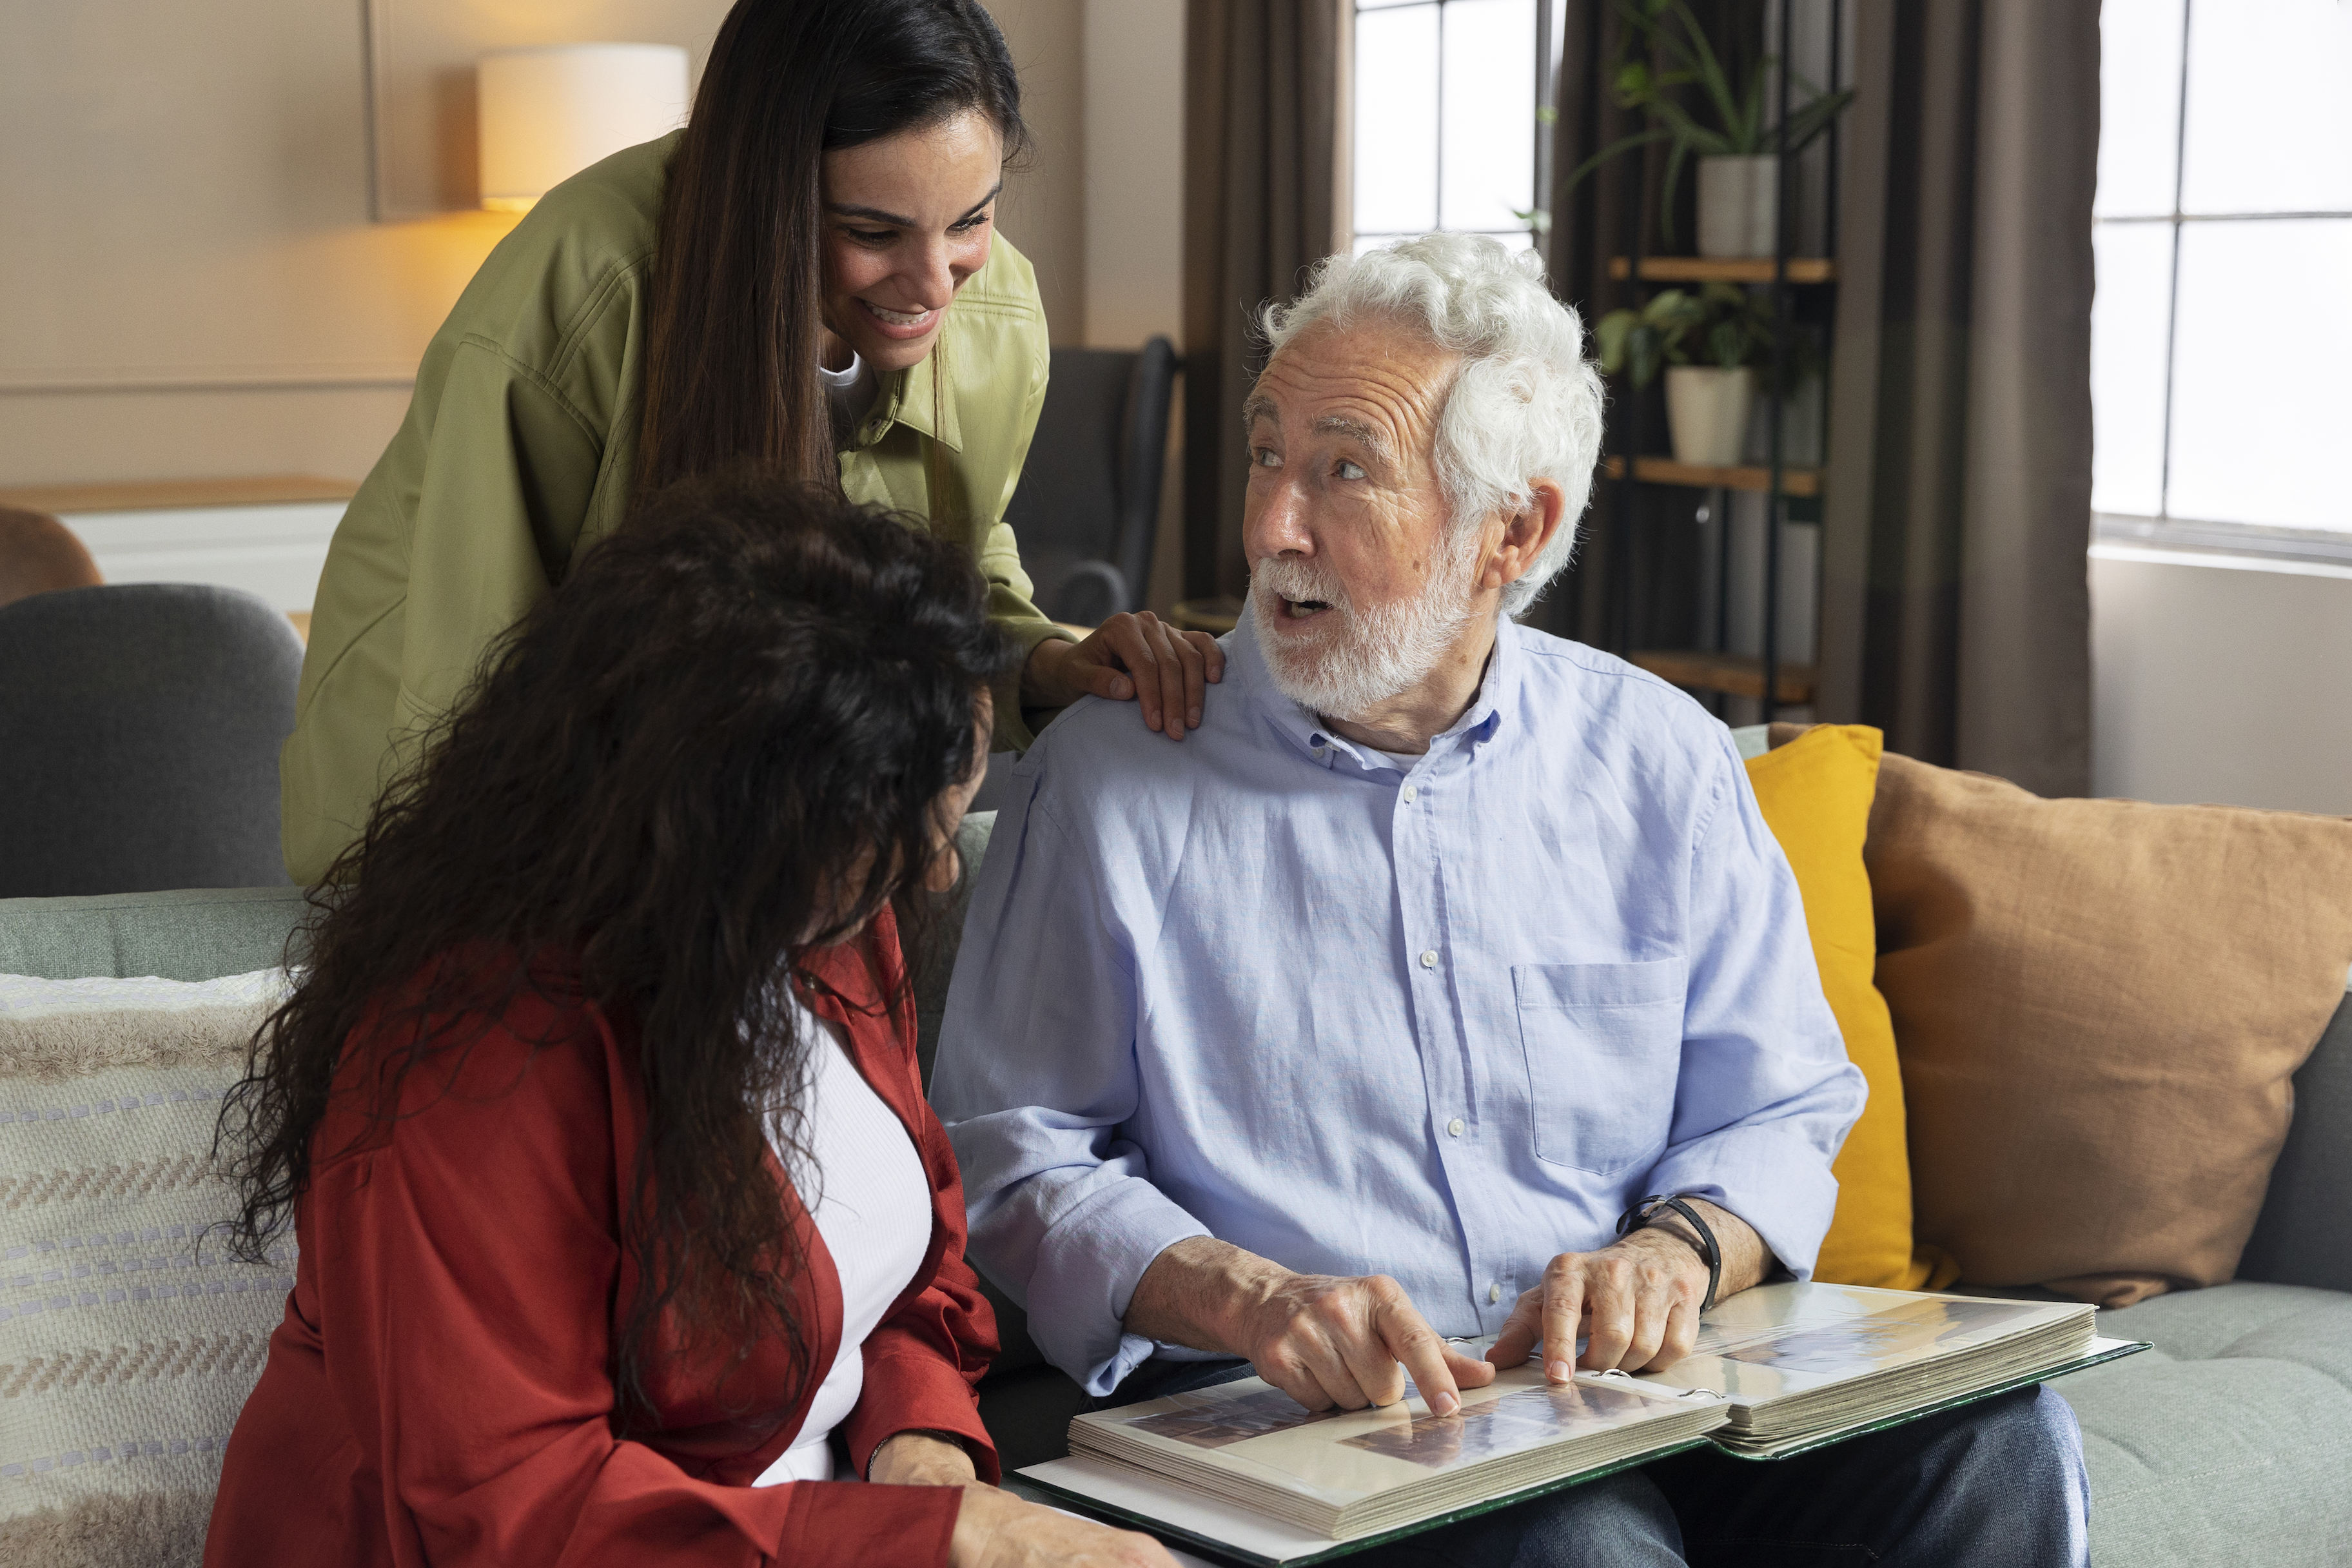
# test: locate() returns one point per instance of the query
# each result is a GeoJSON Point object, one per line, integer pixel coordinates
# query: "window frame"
{"type": "Point", "coordinates": [1547, 86]}
{"type": "Point", "coordinates": [2165, 529]}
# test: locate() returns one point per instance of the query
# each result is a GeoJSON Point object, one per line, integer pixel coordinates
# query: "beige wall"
{"type": "Point", "coordinates": [2221, 682]}
{"type": "Point", "coordinates": [193, 286]}
{"type": "Point", "coordinates": [1134, 171]}
{"type": "Point", "coordinates": [1135, 212]}
{"type": "Point", "coordinates": [1045, 206]}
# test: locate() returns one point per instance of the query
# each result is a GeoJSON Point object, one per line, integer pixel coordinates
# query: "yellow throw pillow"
{"type": "Point", "coordinates": [1815, 793]}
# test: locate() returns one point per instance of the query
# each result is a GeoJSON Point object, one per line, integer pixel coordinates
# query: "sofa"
{"type": "Point", "coordinates": [2232, 1439]}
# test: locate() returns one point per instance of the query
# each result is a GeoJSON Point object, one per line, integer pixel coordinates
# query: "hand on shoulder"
{"type": "Point", "coordinates": [1129, 658]}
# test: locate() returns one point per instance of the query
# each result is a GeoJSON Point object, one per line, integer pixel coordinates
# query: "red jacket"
{"type": "Point", "coordinates": [440, 1390]}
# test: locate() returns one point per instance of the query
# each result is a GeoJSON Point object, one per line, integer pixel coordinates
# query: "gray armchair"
{"type": "Point", "coordinates": [1087, 507]}
{"type": "Point", "coordinates": [138, 734]}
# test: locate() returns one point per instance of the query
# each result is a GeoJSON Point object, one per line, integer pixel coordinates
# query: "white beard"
{"type": "Point", "coordinates": [1359, 657]}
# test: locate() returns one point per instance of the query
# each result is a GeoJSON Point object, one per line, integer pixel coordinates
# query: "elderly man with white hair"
{"type": "Point", "coordinates": [1443, 947]}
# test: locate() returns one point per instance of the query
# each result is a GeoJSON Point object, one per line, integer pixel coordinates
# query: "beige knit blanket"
{"type": "Point", "coordinates": [129, 1338]}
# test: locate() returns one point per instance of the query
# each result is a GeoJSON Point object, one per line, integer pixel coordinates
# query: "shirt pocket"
{"type": "Point", "coordinates": [1603, 1042]}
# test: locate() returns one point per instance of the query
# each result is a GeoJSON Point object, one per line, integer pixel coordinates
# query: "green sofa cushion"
{"type": "Point", "coordinates": [2228, 1442]}
{"type": "Point", "coordinates": [200, 933]}
{"type": "Point", "coordinates": [203, 934]}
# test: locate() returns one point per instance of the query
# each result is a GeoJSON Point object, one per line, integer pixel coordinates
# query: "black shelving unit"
{"type": "Point", "coordinates": [1724, 673]}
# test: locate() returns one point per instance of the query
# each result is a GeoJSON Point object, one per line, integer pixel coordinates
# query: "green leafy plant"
{"type": "Point", "coordinates": [1721, 325]}
{"type": "Point", "coordinates": [1667, 31]}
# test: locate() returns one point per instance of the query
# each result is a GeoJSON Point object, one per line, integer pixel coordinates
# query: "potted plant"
{"type": "Point", "coordinates": [1710, 344]}
{"type": "Point", "coordinates": [1739, 211]}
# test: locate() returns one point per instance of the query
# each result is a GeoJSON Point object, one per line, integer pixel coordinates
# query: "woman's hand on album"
{"type": "Point", "coordinates": [996, 1530]}
{"type": "Point", "coordinates": [921, 1459]}
{"type": "Point", "coordinates": [1138, 658]}
{"type": "Point", "coordinates": [1635, 1302]}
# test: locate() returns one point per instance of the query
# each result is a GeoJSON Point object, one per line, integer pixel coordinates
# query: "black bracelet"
{"type": "Point", "coordinates": [1645, 1209]}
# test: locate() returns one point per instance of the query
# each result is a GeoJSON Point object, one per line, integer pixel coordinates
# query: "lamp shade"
{"type": "Point", "coordinates": [548, 113]}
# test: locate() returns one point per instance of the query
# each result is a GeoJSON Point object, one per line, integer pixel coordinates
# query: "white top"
{"type": "Point", "coordinates": [851, 391]}
{"type": "Point", "coordinates": [873, 1211]}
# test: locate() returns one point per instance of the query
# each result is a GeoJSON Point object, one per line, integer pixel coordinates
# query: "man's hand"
{"type": "Point", "coordinates": [1325, 1340]}
{"type": "Point", "coordinates": [1137, 657]}
{"type": "Point", "coordinates": [1321, 1339]}
{"type": "Point", "coordinates": [1635, 1302]}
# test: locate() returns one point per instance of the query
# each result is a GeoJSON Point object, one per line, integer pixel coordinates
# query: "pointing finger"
{"type": "Point", "coordinates": [1421, 1349]}
{"type": "Point", "coordinates": [1563, 1312]}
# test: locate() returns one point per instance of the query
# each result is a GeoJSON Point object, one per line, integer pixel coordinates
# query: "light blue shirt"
{"type": "Point", "coordinates": [1441, 1024]}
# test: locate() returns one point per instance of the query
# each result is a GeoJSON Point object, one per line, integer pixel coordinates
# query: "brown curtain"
{"type": "Point", "coordinates": [1261, 126]}
{"type": "Point", "coordinates": [1955, 607]}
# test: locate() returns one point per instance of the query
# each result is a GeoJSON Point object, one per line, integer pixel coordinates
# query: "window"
{"type": "Point", "coordinates": [1448, 134]}
{"type": "Point", "coordinates": [2221, 338]}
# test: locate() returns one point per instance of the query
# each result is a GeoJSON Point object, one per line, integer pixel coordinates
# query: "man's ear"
{"type": "Point", "coordinates": [1526, 532]}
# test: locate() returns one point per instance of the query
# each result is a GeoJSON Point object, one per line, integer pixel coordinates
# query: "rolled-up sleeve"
{"type": "Point", "coordinates": [1766, 1094]}
{"type": "Point", "coordinates": [1036, 1074]}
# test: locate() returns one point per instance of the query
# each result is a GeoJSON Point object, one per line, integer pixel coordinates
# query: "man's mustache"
{"type": "Point", "coordinates": [1298, 580]}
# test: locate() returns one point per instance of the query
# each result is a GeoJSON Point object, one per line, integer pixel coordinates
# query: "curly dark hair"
{"type": "Point", "coordinates": [724, 743]}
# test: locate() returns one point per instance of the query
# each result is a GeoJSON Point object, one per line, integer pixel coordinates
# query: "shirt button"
{"type": "Point", "coordinates": [1454, 1128]}
{"type": "Point", "coordinates": [1494, 1294]}
{"type": "Point", "coordinates": [1429, 959]}
{"type": "Point", "coordinates": [1409, 795]}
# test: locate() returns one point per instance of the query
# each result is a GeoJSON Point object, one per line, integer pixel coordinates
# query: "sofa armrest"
{"type": "Point", "coordinates": [2304, 1236]}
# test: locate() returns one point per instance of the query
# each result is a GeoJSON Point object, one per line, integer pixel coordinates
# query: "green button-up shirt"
{"type": "Point", "coordinates": [520, 448]}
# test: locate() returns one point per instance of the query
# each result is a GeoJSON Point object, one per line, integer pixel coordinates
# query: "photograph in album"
{"type": "Point", "coordinates": [1777, 1370]}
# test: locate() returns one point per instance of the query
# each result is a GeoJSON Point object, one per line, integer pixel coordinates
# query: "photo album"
{"type": "Point", "coordinates": [1245, 1471]}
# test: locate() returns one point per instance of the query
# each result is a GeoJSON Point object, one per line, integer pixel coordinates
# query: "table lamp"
{"type": "Point", "coordinates": [548, 112]}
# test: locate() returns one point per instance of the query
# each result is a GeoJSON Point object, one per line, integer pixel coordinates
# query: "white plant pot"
{"type": "Point", "coordinates": [1738, 206]}
{"type": "Point", "coordinates": [1708, 410]}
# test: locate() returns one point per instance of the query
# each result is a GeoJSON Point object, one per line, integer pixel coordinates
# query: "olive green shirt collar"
{"type": "Point", "coordinates": [910, 397]}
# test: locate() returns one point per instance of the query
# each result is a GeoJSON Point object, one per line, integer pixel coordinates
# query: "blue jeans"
{"type": "Point", "coordinates": [1999, 1483]}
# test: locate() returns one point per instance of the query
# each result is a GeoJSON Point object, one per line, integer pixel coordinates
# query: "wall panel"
{"type": "Point", "coordinates": [194, 285]}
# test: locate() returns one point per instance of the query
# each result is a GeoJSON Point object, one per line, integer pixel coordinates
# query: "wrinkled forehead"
{"type": "Point", "coordinates": [1383, 381]}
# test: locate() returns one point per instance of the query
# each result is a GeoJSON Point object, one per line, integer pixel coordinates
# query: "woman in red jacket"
{"type": "Point", "coordinates": [626, 1236]}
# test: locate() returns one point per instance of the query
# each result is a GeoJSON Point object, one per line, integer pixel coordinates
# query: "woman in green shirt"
{"type": "Point", "coordinates": [805, 281]}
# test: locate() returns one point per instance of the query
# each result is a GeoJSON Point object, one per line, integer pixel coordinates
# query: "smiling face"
{"type": "Point", "coordinates": [907, 219]}
{"type": "Point", "coordinates": [1358, 586]}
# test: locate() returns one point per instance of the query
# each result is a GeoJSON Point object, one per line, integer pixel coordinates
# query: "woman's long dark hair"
{"type": "Point", "coordinates": [722, 744]}
{"type": "Point", "coordinates": [731, 343]}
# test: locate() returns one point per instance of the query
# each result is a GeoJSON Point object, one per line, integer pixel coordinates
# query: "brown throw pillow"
{"type": "Point", "coordinates": [2098, 1004]}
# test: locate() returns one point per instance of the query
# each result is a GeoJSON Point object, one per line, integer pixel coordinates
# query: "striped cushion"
{"type": "Point", "coordinates": [129, 1338]}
